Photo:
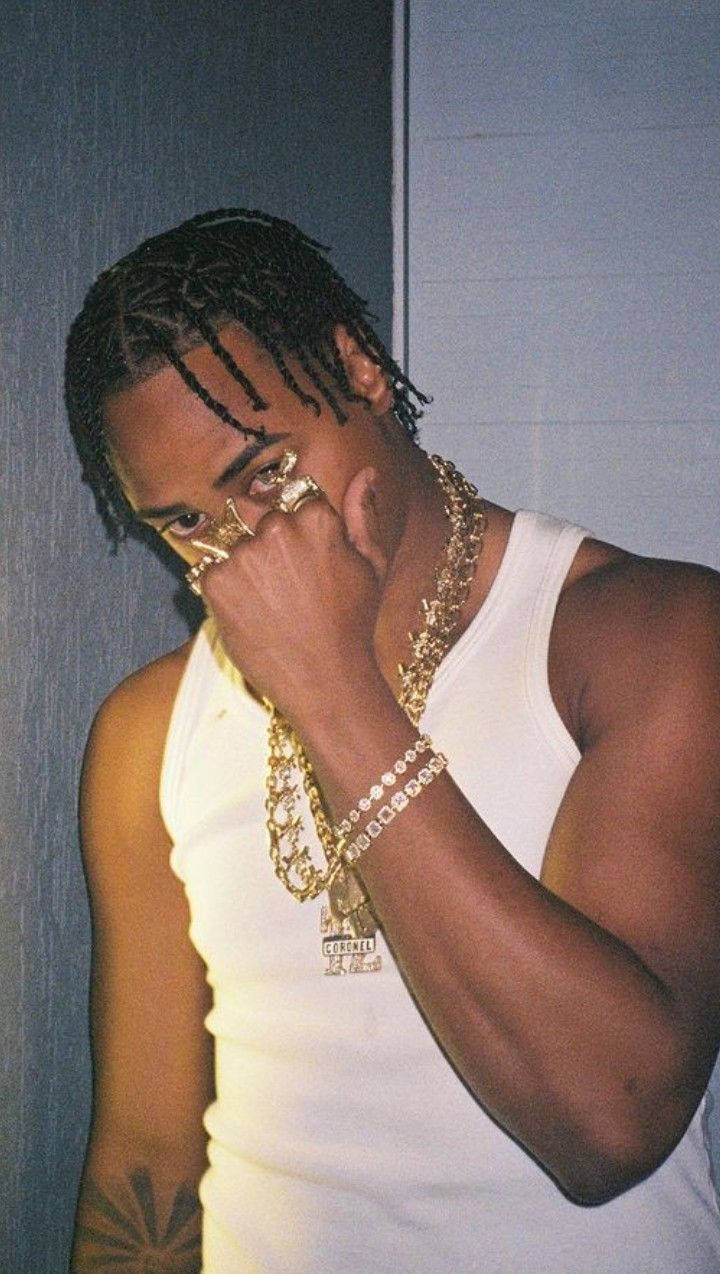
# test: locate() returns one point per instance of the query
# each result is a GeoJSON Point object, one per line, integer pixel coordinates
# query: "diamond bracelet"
{"type": "Point", "coordinates": [398, 802]}
{"type": "Point", "coordinates": [377, 791]}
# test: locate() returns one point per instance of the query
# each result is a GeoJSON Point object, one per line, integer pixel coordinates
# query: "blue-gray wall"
{"type": "Point", "coordinates": [117, 120]}
{"type": "Point", "coordinates": [564, 305]}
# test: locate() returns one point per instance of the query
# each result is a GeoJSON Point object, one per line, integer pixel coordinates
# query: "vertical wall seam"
{"type": "Point", "coordinates": [401, 183]}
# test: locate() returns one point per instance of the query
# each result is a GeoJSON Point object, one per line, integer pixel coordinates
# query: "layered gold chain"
{"type": "Point", "coordinates": [287, 760]}
{"type": "Point", "coordinates": [428, 647]}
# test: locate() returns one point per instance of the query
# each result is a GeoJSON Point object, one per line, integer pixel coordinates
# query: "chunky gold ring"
{"type": "Point", "coordinates": [217, 540]}
{"type": "Point", "coordinates": [296, 492]}
{"type": "Point", "coordinates": [221, 536]}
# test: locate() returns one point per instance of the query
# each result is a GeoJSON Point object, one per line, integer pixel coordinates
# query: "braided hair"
{"type": "Point", "coordinates": [177, 290]}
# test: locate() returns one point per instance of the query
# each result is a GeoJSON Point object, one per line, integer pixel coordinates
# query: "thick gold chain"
{"type": "Point", "coordinates": [290, 856]}
{"type": "Point", "coordinates": [291, 859]}
{"type": "Point", "coordinates": [428, 647]}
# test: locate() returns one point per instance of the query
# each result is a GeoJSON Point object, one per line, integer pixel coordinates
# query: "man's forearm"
{"type": "Point", "coordinates": [565, 1036]}
{"type": "Point", "coordinates": [131, 1221]}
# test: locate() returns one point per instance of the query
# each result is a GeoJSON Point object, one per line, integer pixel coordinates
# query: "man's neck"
{"type": "Point", "coordinates": [412, 575]}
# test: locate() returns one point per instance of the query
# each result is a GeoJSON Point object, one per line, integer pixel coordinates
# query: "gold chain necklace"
{"type": "Point", "coordinates": [290, 856]}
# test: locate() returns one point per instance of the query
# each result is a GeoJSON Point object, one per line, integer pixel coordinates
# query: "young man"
{"type": "Point", "coordinates": [456, 895]}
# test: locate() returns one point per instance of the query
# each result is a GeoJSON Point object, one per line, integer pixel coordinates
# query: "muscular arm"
{"type": "Point", "coordinates": [138, 1206]}
{"type": "Point", "coordinates": [583, 1010]}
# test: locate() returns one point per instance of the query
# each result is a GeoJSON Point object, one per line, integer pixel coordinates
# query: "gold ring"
{"type": "Point", "coordinates": [216, 543]}
{"type": "Point", "coordinates": [296, 492]}
{"type": "Point", "coordinates": [221, 536]}
{"type": "Point", "coordinates": [196, 572]}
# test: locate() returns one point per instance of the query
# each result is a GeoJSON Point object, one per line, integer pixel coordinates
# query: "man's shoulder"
{"type": "Point", "coordinates": [125, 841]}
{"type": "Point", "coordinates": [627, 623]}
{"type": "Point", "coordinates": [611, 588]}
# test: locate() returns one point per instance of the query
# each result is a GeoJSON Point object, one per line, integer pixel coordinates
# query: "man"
{"type": "Point", "coordinates": [457, 894]}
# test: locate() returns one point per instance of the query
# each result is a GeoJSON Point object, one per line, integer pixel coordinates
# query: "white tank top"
{"type": "Point", "coordinates": [341, 1138]}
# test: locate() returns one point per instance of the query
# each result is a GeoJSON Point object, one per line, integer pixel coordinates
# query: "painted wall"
{"type": "Point", "coordinates": [563, 222]}
{"type": "Point", "coordinates": [560, 290]}
{"type": "Point", "coordinates": [116, 121]}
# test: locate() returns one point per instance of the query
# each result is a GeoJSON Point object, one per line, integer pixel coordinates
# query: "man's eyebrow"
{"type": "Point", "coordinates": [235, 467]}
{"type": "Point", "coordinates": [160, 511]}
{"type": "Point", "coordinates": [250, 453]}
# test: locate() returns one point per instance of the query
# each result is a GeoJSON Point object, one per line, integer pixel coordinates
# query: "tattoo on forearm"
{"type": "Point", "coordinates": [122, 1229]}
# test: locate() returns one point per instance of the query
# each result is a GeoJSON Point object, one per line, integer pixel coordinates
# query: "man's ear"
{"type": "Point", "coordinates": [365, 376]}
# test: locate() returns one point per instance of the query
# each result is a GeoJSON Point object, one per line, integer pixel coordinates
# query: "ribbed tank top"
{"type": "Point", "coordinates": [341, 1137]}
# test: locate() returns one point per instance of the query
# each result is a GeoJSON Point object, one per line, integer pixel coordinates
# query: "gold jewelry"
{"type": "Point", "coordinates": [288, 460]}
{"type": "Point", "coordinates": [219, 537]}
{"type": "Point", "coordinates": [429, 646]}
{"type": "Point", "coordinates": [297, 492]}
{"type": "Point", "coordinates": [222, 535]}
{"type": "Point", "coordinates": [196, 572]}
{"type": "Point", "coordinates": [216, 543]}
{"type": "Point", "coordinates": [398, 802]}
{"type": "Point", "coordinates": [291, 859]}
{"type": "Point", "coordinates": [377, 791]}
{"type": "Point", "coordinates": [293, 491]}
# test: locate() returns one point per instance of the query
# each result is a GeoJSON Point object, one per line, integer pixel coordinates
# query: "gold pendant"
{"type": "Point", "coordinates": [344, 952]}
{"type": "Point", "coordinates": [349, 904]}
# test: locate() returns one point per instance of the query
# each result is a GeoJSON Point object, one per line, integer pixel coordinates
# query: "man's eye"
{"type": "Point", "coordinates": [187, 525]}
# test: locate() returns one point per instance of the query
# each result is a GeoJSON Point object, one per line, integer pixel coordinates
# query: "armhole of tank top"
{"type": "Point", "coordinates": [537, 680]}
{"type": "Point", "coordinates": [182, 720]}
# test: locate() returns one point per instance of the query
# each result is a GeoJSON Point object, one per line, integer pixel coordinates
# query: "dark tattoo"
{"type": "Point", "coordinates": [121, 1229]}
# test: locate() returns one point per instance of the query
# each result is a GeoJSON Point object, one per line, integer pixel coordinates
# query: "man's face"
{"type": "Point", "coordinates": [178, 462]}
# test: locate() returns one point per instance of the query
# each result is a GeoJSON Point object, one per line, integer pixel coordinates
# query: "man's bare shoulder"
{"type": "Point", "coordinates": [622, 591]}
{"type": "Point", "coordinates": [627, 624]}
{"type": "Point", "coordinates": [123, 761]}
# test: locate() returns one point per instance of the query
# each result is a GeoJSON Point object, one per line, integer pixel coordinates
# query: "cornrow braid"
{"type": "Point", "coordinates": [207, 330]}
{"type": "Point", "coordinates": [192, 382]}
{"type": "Point", "coordinates": [177, 290]}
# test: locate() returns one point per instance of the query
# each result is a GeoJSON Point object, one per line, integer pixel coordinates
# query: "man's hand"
{"type": "Point", "coordinates": [296, 606]}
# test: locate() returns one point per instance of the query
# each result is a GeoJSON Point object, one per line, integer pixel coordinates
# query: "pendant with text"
{"type": "Point", "coordinates": [344, 952]}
